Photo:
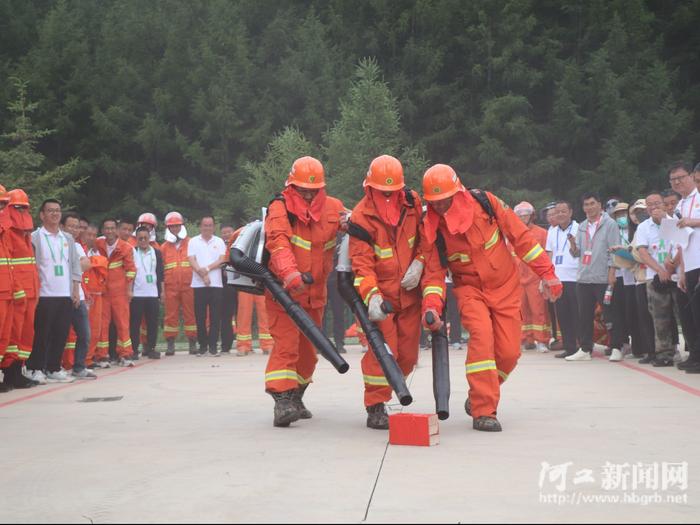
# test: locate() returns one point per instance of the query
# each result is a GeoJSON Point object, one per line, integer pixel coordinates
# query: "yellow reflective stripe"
{"type": "Point", "coordinates": [301, 243]}
{"type": "Point", "coordinates": [303, 381]}
{"type": "Point", "coordinates": [375, 380]}
{"type": "Point", "coordinates": [103, 344]}
{"type": "Point", "coordinates": [461, 257]}
{"type": "Point", "coordinates": [412, 242]}
{"type": "Point", "coordinates": [19, 295]}
{"type": "Point", "coordinates": [480, 366]}
{"type": "Point", "coordinates": [358, 280]}
{"type": "Point", "coordinates": [169, 266]}
{"type": "Point", "coordinates": [492, 241]}
{"type": "Point", "coordinates": [4, 261]}
{"type": "Point", "coordinates": [383, 253]}
{"type": "Point", "coordinates": [190, 327]}
{"type": "Point", "coordinates": [117, 264]}
{"type": "Point", "coordinates": [171, 329]}
{"type": "Point", "coordinates": [69, 346]}
{"type": "Point", "coordinates": [533, 254]}
{"type": "Point", "coordinates": [244, 338]}
{"type": "Point", "coordinates": [185, 264]}
{"type": "Point", "coordinates": [370, 294]}
{"type": "Point", "coordinates": [131, 274]}
{"type": "Point", "coordinates": [24, 354]}
{"type": "Point", "coordinates": [264, 336]}
{"type": "Point", "coordinates": [12, 349]}
{"type": "Point", "coordinates": [124, 344]}
{"type": "Point", "coordinates": [503, 375]}
{"type": "Point", "coordinates": [329, 245]}
{"type": "Point", "coordinates": [433, 289]}
{"type": "Point", "coordinates": [281, 375]}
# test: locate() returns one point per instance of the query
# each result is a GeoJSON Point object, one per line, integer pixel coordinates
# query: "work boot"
{"type": "Point", "coordinates": [487, 424]}
{"type": "Point", "coordinates": [341, 350]}
{"type": "Point", "coordinates": [193, 347]}
{"type": "Point", "coordinates": [304, 413]}
{"type": "Point", "coordinates": [468, 406]}
{"type": "Point", "coordinates": [286, 410]}
{"type": "Point", "coordinates": [377, 417]}
{"type": "Point", "coordinates": [171, 347]}
{"type": "Point", "coordinates": [6, 385]}
{"type": "Point", "coordinates": [152, 354]}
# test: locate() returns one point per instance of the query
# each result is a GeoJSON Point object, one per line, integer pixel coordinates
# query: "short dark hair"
{"type": "Point", "coordinates": [109, 219]}
{"type": "Point", "coordinates": [568, 204]}
{"type": "Point", "coordinates": [670, 193]}
{"type": "Point", "coordinates": [125, 220]}
{"type": "Point", "coordinates": [227, 225]}
{"type": "Point", "coordinates": [590, 195]}
{"type": "Point", "coordinates": [48, 201]}
{"type": "Point", "coordinates": [83, 218]}
{"type": "Point", "coordinates": [679, 165]}
{"type": "Point", "coordinates": [207, 217]}
{"type": "Point", "coordinates": [142, 229]}
{"type": "Point", "coordinates": [69, 215]}
{"type": "Point", "coordinates": [696, 168]}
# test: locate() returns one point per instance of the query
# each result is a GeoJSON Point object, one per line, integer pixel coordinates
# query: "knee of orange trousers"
{"type": "Point", "coordinates": [6, 311]}
{"type": "Point", "coordinates": [377, 389]}
{"type": "Point", "coordinates": [119, 314]}
{"type": "Point", "coordinates": [171, 316]}
{"type": "Point", "coordinates": [27, 336]}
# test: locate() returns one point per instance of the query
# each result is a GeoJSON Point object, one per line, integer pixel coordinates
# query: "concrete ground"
{"type": "Point", "coordinates": [191, 440]}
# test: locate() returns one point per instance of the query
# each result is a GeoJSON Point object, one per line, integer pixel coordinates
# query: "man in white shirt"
{"type": "Point", "coordinates": [565, 268]}
{"type": "Point", "coordinates": [59, 293]}
{"type": "Point", "coordinates": [206, 253]}
{"type": "Point", "coordinates": [688, 211]}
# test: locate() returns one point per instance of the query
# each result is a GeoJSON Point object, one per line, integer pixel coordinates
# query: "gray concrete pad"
{"type": "Point", "coordinates": [192, 441]}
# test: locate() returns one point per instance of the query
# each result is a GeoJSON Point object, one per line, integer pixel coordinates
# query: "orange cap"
{"type": "Point", "coordinates": [174, 219]}
{"type": "Point", "coordinates": [148, 218]}
{"type": "Point", "coordinates": [307, 172]}
{"type": "Point", "coordinates": [385, 174]}
{"type": "Point", "coordinates": [18, 198]}
{"type": "Point", "coordinates": [4, 196]}
{"type": "Point", "coordinates": [440, 182]}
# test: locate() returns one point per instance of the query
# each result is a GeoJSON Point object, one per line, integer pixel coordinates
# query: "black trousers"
{"type": "Point", "coordinates": [140, 308]}
{"type": "Point", "coordinates": [336, 316]}
{"type": "Point", "coordinates": [453, 316]}
{"type": "Point", "coordinates": [556, 327]}
{"type": "Point", "coordinates": [588, 295]}
{"type": "Point", "coordinates": [567, 314]}
{"type": "Point", "coordinates": [207, 301]}
{"type": "Point", "coordinates": [51, 325]}
{"type": "Point", "coordinates": [620, 327]}
{"type": "Point", "coordinates": [644, 344]}
{"type": "Point", "coordinates": [229, 306]}
{"type": "Point", "coordinates": [689, 306]}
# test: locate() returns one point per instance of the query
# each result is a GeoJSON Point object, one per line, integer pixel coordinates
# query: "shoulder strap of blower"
{"type": "Point", "coordinates": [359, 232]}
{"type": "Point", "coordinates": [483, 200]}
{"type": "Point", "coordinates": [290, 216]}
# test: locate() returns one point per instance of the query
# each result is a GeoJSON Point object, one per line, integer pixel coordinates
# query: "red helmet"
{"type": "Point", "coordinates": [307, 172]}
{"type": "Point", "coordinates": [440, 182]}
{"type": "Point", "coordinates": [148, 218]}
{"type": "Point", "coordinates": [174, 219]}
{"type": "Point", "coordinates": [385, 174]}
{"type": "Point", "coordinates": [18, 198]}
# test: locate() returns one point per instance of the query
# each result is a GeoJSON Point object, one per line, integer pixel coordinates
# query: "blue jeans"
{"type": "Point", "coordinates": [81, 325]}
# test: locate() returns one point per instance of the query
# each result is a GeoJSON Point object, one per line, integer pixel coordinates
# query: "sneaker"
{"type": "Point", "coordinates": [542, 348]}
{"type": "Point", "coordinates": [215, 353]}
{"type": "Point", "coordinates": [127, 363]}
{"type": "Point", "coordinates": [241, 353]}
{"type": "Point", "coordinates": [456, 346]}
{"type": "Point", "coordinates": [36, 375]}
{"type": "Point", "coordinates": [84, 374]}
{"type": "Point", "coordinates": [615, 355]}
{"type": "Point", "coordinates": [93, 366]}
{"type": "Point", "coordinates": [563, 354]}
{"type": "Point", "coordinates": [662, 362]}
{"type": "Point", "coordinates": [59, 377]}
{"type": "Point", "coordinates": [693, 368]}
{"type": "Point", "coordinates": [646, 360]}
{"type": "Point", "coordinates": [579, 356]}
{"type": "Point", "coordinates": [104, 364]}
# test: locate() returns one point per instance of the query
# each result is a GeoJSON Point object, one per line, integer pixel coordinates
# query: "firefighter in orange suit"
{"type": "Point", "coordinates": [465, 232]}
{"type": "Point", "coordinates": [536, 328]}
{"type": "Point", "coordinates": [244, 321]}
{"type": "Point", "coordinates": [95, 285]}
{"type": "Point", "coordinates": [384, 250]}
{"type": "Point", "coordinates": [179, 295]}
{"type": "Point", "coordinates": [5, 285]}
{"type": "Point", "coordinates": [300, 234]}
{"type": "Point", "coordinates": [119, 291]}
{"type": "Point", "coordinates": [25, 288]}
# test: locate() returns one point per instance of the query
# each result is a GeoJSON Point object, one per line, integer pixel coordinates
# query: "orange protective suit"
{"type": "Point", "coordinates": [303, 244]}
{"type": "Point", "coordinates": [536, 327]}
{"type": "Point", "coordinates": [378, 268]}
{"type": "Point", "coordinates": [244, 321]}
{"type": "Point", "coordinates": [6, 286]}
{"type": "Point", "coordinates": [95, 285]}
{"type": "Point", "coordinates": [486, 285]}
{"type": "Point", "coordinates": [179, 294]}
{"type": "Point", "coordinates": [115, 302]}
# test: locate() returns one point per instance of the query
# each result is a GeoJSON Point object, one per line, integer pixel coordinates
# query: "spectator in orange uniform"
{"type": "Point", "coordinates": [6, 301]}
{"type": "Point", "coordinates": [536, 329]}
{"type": "Point", "coordinates": [465, 232]}
{"type": "Point", "coordinates": [95, 285]}
{"type": "Point", "coordinates": [300, 235]}
{"type": "Point", "coordinates": [384, 251]}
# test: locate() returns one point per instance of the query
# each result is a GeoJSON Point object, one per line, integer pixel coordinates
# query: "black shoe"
{"type": "Point", "coordinates": [153, 354]}
{"type": "Point", "coordinates": [171, 347]}
{"type": "Point", "coordinates": [683, 365]}
{"type": "Point", "coordinates": [15, 378]}
{"type": "Point", "coordinates": [608, 352]}
{"type": "Point", "coordinates": [93, 366]}
{"type": "Point", "coordinates": [647, 360]}
{"type": "Point", "coordinates": [662, 361]}
{"type": "Point", "coordinates": [468, 406]}
{"type": "Point", "coordinates": [341, 350]}
{"type": "Point", "coordinates": [193, 346]}
{"type": "Point", "coordinates": [487, 424]}
{"type": "Point", "coordinates": [377, 417]}
{"type": "Point", "coordinates": [223, 351]}
{"type": "Point", "coordinates": [6, 385]}
{"type": "Point", "coordinates": [304, 413]}
{"type": "Point", "coordinates": [135, 356]}
{"type": "Point", "coordinates": [285, 411]}
{"type": "Point", "coordinates": [202, 351]}
{"type": "Point", "coordinates": [693, 368]}
{"type": "Point", "coordinates": [564, 354]}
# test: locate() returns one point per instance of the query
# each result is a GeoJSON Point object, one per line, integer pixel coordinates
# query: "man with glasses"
{"type": "Point", "coordinates": [688, 211]}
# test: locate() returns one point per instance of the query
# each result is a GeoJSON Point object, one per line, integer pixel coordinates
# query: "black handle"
{"type": "Point", "coordinates": [429, 318]}
{"type": "Point", "coordinates": [387, 308]}
{"type": "Point", "coordinates": [306, 277]}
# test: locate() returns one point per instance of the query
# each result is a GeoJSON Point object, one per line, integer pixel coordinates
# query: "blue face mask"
{"type": "Point", "coordinates": [622, 222]}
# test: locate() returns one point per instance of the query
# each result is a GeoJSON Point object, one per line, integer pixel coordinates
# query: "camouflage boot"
{"type": "Point", "coordinates": [377, 417]}
{"type": "Point", "coordinates": [285, 411]}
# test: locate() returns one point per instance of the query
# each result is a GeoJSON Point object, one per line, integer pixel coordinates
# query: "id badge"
{"type": "Point", "coordinates": [58, 270]}
{"type": "Point", "coordinates": [149, 279]}
{"type": "Point", "coordinates": [559, 259]}
{"type": "Point", "coordinates": [587, 256]}
{"type": "Point", "coordinates": [662, 257]}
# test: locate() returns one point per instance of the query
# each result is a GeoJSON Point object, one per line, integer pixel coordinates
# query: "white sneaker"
{"type": "Point", "coordinates": [579, 356]}
{"type": "Point", "coordinates": [542, 348]}
{"type": "Point", "coordinates": [59, 377]}
{"type": "Point", "coordinates": [127, 363]}
{"type": "Point", "coordinates": [616, 355]}
{"type": "Point", "coordinates": [84, 374]}
{"type": "Point", "coordinates": [36, 375]}
{"type": "Point", "coordinates": [455, 346]}
{"type": "Point", "coordinates": [104, 364]}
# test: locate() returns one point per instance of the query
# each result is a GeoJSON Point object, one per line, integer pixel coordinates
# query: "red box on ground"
{"type": "Point", "coordinates": [414, 429]}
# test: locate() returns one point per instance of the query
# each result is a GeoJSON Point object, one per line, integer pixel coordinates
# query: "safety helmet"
{"type": "Point", "coordinates": [148, 218]}
{"type": "Point", "coordinates": [385, 174]}
{"type": "Point", "coordinates": [440, 182]}
{"type": "Point", "coordinates": [307, 172]}
{"type": "Point", "coordinates": [524, 208]}
{"type": "Point", "coordinates": [4, 196]}
{"type": "Point", "coordinates": [174, 219]}
{"type": "Point", "coordinates": [18, 198]}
